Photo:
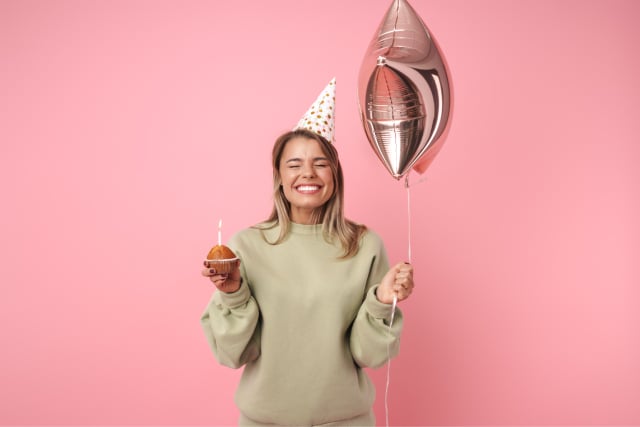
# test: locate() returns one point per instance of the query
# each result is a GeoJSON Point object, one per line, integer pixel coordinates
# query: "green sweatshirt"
{"type": "Point", "coordinates": [304, 323]}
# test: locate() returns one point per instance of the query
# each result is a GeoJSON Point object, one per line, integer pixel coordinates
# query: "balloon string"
{"type": "Point", "coordinates": [407, 186]}
{"type": "Point", "coordinates": [395, 300]}
{"type": "Point", "coordinates": [395, 297]}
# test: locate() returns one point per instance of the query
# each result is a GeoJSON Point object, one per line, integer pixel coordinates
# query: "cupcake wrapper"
{"type": "Point", "coordinates": [222, 266]}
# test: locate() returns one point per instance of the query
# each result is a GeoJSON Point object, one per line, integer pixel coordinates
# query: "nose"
{"type": "Point", "coordinates": [308, 171]}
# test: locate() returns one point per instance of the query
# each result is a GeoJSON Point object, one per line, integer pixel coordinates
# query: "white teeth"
{"type": "Point", "coordinates": [308, 188]}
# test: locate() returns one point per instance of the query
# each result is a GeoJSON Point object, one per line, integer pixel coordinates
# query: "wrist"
{"type": "Point", "coordinates": [383, 296]}
{"type": "Point", "coordinates": [236, 289]}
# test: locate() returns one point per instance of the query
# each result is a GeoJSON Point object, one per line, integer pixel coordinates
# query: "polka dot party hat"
{"type": "Point", "coordinates": [319, 118]}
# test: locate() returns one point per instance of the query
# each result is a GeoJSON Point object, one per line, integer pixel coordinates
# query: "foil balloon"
{"type": "Point", "coordinates": [404, 92]}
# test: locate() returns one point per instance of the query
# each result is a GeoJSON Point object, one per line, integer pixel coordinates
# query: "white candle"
{"type": "Point", "coordinates": [219, 232]}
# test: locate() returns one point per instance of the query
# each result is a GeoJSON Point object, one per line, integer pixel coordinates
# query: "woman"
{"type": "Point", "coordinates": [310, 302]}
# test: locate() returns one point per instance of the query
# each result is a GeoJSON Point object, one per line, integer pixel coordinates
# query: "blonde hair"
{"type": "Point", "coordinates": [330, 215]}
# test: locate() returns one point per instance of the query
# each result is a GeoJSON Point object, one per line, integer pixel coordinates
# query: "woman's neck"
{"type": "Point", "coordinates": [306, 217]}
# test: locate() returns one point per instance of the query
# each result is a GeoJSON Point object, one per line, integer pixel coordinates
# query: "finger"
{"type": "Point", "coordinates": [404, 281]}
{"type": "Point", "coordinates": [404, 269]}
{"type": "Point", "coordinates": [404, 294]}
{"type": "Point", "coordinates": [227, 285]}
{"type": "Point", "coordinates": [403, 286]}
{"type": "Point", "coordinates": [215, 277]}
{"type": "Point", "coordinates": [404, 277]}
{"type": "Point", "coordinates": [208, 271]}
{"type": "Point", "coordinates": [212, 272]}
{"type": "Point", "coordinates": [403, 272]}
{"type": "Point", "coordinates": [404, 266]}
{"type": "Point", "coordinates": [218, 280]}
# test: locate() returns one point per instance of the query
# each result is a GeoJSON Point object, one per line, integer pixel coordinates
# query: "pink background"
{"type": "Point", "coordinates": [128, 128]}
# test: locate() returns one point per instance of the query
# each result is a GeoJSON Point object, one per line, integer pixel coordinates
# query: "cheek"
{"type": "Point", "coordinates": [284, 178]}
{"type": "Point", "coordinates": [328, 177]}
{"type": "Point", "coordinates": [285, 186]}
{"type": "Point", "coordinates": [287, 195]}
{"type": "Point", "coordinates": [330, 183]}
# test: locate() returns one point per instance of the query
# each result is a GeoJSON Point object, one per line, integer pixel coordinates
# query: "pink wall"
{"type": "Point", "coordinates": [128, 128]}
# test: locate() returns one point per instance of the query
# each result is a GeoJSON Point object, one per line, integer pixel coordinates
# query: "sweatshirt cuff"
{"type": "Point", "coordinates": [375, 308]}
{"type": "Point", "coordinates": [237, 298]}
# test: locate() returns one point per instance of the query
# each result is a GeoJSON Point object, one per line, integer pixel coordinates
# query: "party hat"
{"type": "Point", "coordinates": [319, 118]}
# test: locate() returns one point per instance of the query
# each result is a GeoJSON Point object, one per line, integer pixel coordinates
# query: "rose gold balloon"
{"type": "Point", "coordinates": [404, 92]}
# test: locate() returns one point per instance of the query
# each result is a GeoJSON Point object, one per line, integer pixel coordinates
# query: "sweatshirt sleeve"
{"type": "Point", "coordinates": [374, 337]}
{"type": "Point", "coordinates": [373, 341]}
{"type": "Point", "coordinates": [231, 325]}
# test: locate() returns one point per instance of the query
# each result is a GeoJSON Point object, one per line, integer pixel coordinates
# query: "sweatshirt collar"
{"type": "Point", "coordinates": [305, 228]}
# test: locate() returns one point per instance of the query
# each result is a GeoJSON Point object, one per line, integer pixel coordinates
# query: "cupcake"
{"type": "Point", "coordinates": [222, 259]}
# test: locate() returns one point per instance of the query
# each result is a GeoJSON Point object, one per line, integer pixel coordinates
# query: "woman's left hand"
{"type": "Point", "coordinates": [398, 281]}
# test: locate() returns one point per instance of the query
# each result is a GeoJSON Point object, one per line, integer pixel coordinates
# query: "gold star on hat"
{"type": "Point", "coordinates": [319, 118]}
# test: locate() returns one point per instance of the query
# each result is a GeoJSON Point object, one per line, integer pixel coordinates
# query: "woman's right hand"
{"type": "Point", "coordinates": [398, 281]}
{"type": "Point", "coordinates": [228, 282]}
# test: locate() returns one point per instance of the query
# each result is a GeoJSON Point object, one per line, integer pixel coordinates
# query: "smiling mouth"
{"type": "Point", "coordinates": [307, 189]}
